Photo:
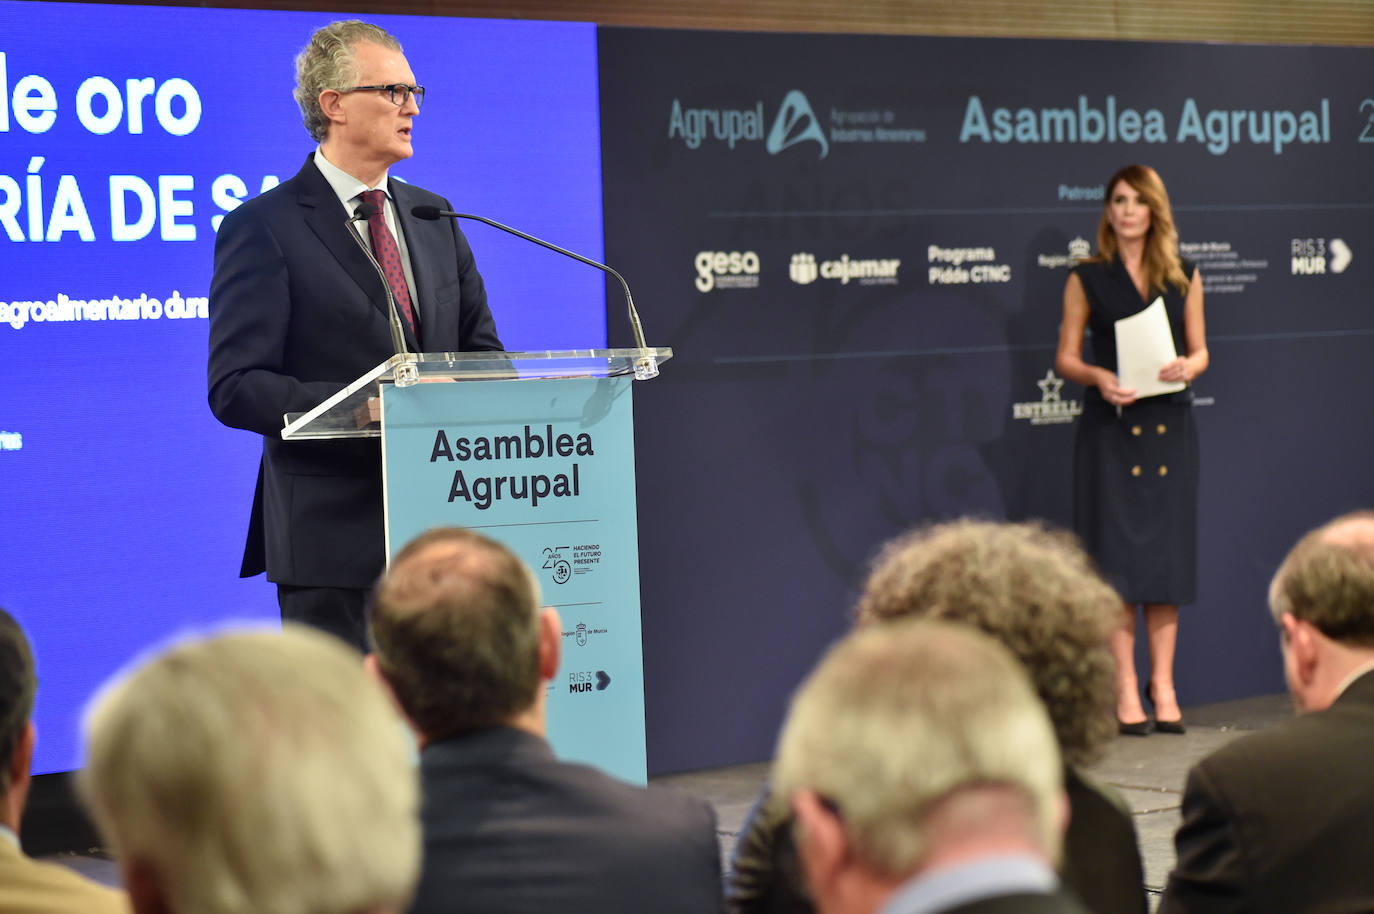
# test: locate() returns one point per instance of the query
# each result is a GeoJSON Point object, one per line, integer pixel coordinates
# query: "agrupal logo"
{"type": "Point", "coordinates": [794, 123]}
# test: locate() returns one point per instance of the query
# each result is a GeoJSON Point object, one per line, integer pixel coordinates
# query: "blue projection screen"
{"type": "Point", "coordinates": [124, 502]}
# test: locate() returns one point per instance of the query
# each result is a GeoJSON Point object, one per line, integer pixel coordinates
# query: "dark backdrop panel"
{"type": "Point", "coordinates": [806, 419]}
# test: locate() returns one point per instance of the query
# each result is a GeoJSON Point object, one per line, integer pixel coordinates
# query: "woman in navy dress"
{"type": "Point", "coordinates": [1135, 460]}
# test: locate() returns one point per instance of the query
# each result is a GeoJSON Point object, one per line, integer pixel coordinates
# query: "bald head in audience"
{"type": "Point", "coordinates": [915, 749]}
{"type": "Point", "coordinates": [255, 772]}
{"type": "Point", "coordinates": [1322, 599]}
{"type": "Point", "coordinates": [460, 637]}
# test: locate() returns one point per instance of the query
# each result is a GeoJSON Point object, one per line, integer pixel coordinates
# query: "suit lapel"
{"type": "Point", "coordinates": [327, 218]}
{"type": "Point", "coordinates": [418, 237]}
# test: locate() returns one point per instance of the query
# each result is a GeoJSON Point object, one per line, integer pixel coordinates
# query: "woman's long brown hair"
{"type": "Point", "coordinates": [1161, 260]}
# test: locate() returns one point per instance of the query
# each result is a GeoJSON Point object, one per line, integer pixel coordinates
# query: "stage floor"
{"type": "Point", "coordinates": [1148, 772]}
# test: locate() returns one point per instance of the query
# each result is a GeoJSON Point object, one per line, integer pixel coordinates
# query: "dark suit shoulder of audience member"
{"type": "Point", "coordinates": [1279, 821]}
{"type": "Point", "coordinates": [1101, 863]}
{"type": "Point", "coordinates": [508, 827]}
{"type": "Point", "coordinates": [1059, 903]}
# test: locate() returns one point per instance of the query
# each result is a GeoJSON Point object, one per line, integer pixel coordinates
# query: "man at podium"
{"type": "Point", "coordinates": [297, 311]}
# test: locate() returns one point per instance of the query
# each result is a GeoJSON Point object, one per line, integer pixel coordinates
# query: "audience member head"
{"type": "Point", "coordinates": [1322, 598]}
{"type": "Point", "coordinates": [254, 772]}
{"type": "Point", "coordinates": [913, 747]}
{"type": "Point", "coordinates": [328, 61]}
{"type": "Point", "coordinates": [458, 634]}
{"type": "Point", "coordinates": [1032, 589]}
{"type": "Point", "coordinates": [18, 683]}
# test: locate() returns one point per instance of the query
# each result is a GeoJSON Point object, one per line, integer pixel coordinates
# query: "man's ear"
{"type": "Point", "coordinates": [822, 845]}
{"type": "Point", "coordinates": [19, 767]}
{"type": "Point", "coordinates": [374, 669]}
{"type": "Point", "coordinates": [144, 887]}
{"type": "Point", "coordinates": [1302, 646]}
{"type": "Point", "coordinates": [550, 643]}
{"type": "Point", "coordinates": [330, 104]}
{"type": "Point", "coordinates": [21, 763]}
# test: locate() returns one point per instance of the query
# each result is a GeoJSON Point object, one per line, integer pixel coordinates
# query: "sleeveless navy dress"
{"type": "Point", "coordinates": [1135, 475]}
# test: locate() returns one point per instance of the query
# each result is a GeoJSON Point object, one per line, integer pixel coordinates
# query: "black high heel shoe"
{"type": "Point", "coordinates": [1141, 728]}
{"type": "Point", "coordinates": [1162, 725]}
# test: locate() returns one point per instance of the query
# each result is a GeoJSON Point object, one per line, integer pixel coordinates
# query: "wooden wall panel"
{"type": "Point", "coordinates": [1344, 22]}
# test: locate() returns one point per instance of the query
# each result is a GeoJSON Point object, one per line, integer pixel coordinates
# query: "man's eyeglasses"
{"type": "Point", "coordinates": [400, 93]}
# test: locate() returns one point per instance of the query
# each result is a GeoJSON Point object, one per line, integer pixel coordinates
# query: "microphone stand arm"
{"type": "Point", "coordinates": [646, 366]}
{"type": "Point", "coordinates": [405, 372]}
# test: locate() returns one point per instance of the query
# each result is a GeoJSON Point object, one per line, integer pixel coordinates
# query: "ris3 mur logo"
{"type": "Point", "coordinates": [794, 123]}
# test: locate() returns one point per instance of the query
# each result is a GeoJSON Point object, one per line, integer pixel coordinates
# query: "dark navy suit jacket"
{"type": "Point", "coordinates": [1057, 903]}
{"type": "Point", "coordinates": [296, 313]}
{"type": "Point", "coordinates": [509, 828]}
{"type": "Point", "coordinates": [1282, 820]}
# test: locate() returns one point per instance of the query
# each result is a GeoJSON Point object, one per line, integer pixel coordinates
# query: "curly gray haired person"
{"type": "Point", "coordinates": [1033, 589]}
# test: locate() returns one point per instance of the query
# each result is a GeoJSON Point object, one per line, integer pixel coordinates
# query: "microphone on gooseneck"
{"type": "Point", "coordinates": [430, 213]}
{"type": "Point", "coordinates": [364, 212]}
{"type": "Point", "coordinates": [433, 212]}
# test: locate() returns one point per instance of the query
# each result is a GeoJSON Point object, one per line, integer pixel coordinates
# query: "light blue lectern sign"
{"type": "Point", "coordinates": [546, 467]}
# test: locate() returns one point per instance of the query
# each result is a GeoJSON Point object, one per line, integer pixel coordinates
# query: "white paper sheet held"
{"type": "Point", "coordinates": [1144, 345]}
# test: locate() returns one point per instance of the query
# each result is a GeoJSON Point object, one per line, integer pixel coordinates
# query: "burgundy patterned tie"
{"type": "Point", "coordinates": [388, 255]}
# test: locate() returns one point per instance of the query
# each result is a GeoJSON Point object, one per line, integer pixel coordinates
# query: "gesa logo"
{"type": "Point", "coordinates": [727, 270]}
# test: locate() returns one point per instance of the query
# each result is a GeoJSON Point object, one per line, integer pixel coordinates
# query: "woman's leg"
{"type": "Point", "coordinates": [1161, 621]}
{"type": "Point", "coordinates": [1122, 641]}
